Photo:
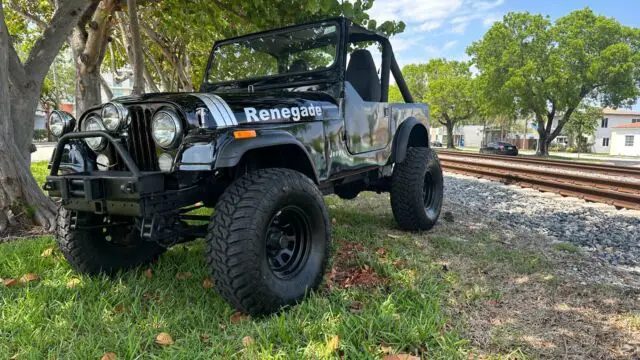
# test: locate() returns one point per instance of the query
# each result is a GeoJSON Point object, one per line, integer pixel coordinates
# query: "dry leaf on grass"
{"type": "Point", "coordinates": [148, 273]}
{"type": "Point", "coordinates": [10, 282]}
{"type": "Point", "coordinates": [247, 340]}
{"type": "Point", "coordinates": [333, 344]}
{"type": "Point", "coordinates": [118, 308]}
{"type": "Point", "coordinates": [183, 275]}
{"type": "Point", "coordinates": [29, 277]}
{"type": "Point", "coordinates": [205, 338]}
{"type": "Point", "coordinates": [109, 356]}
{"type": "Point", "coordinates": [47, 252]}
{"type": "Point", "coordinates": [401, 356]}
{"type": "Point", "coordinates": [381, 251]}
{"type": "Point", "coordinates": [356, 307]}
{"type": "Point", "coordinates": [207, 284]}
{"type": "Point", "coordinates": [393, 236]}
{"type": "Point", "coordinates": [334, 221]}
{"type": "Point", "coordinates": [164, 339]}
{"type": "Point", "coordinates": [73, 283]}
{"type": "Point", "coordinates": [237, 317]}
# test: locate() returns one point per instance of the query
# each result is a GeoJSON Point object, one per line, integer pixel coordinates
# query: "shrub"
{"type": "Point", "coordinates": [39, 134]}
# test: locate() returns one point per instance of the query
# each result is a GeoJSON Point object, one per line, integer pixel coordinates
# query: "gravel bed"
{"type": "Point", "coordinates": [560, 171]}
{"type": "Point", "coordinates": [611, 235]}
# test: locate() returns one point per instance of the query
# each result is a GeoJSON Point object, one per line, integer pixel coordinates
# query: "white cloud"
{"type": "Point", "coordinates": [429, 15]}
{"type": "Point", "coordinates": [449, 45]}
{"type": "Point", "coordinates": [459, 28]}
{"type": "Point", "coordinates": [489, 20]}
{"type": "Point", "coordinates": [426, 15]}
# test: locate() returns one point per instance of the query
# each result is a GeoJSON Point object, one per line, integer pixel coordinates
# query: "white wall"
{"type": "Point", "coordinates": [602, 133]}
{"type": "Point", "coordinates": [617, 142]}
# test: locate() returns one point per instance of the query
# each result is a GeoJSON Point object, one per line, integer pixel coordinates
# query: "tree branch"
{"type": "Point", "coordinates": [46, 47]}
{"type": "Point", "coordinates": [106, 88]}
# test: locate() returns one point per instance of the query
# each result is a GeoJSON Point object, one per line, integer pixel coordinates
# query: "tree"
{"type": "Point", "coordinates": [20, 85]}
{"type": "Point", "coordinates": [582, 124]}
{"type": "Point", "coordinates": [547, 69]}
{"type": "Point", "coordinates": [448, 88]}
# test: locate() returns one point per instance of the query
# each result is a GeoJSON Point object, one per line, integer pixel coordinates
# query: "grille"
{"type": "Point", "coordinates": [139, 141]}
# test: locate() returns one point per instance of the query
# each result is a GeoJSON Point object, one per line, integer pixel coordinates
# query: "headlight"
{"type": "Point", "coordinates": [93, 123]}
{"type": "Point", "coordinates": [166, 128]}
{"type": "Point", "coordinates": [61, 122]}
{"type": "Point", "coordinates": [103, 162]}
{"type": "Point", "coordinates": [113, 116]}
{"type": "Point", "coordinates": [165, 162]}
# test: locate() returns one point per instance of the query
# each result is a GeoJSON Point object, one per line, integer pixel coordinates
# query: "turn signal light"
{"type": "Point", "coordinates": [244, 134]}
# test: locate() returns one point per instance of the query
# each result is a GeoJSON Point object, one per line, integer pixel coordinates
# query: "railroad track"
{"type": "Point", "coordinates": [582, 182]}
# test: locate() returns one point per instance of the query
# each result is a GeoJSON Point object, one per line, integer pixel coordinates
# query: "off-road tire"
{"type": "Point", "coordinates": [89, 252]}
{"type": "Point", "coordinates": [237, 249]}
{"type": "Point", "coordinates": [418, 173]}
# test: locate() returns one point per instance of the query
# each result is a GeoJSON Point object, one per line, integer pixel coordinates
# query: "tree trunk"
{"type": "Point", "coordinates": [543, 144]}
{"type": "Point", "coordinates": [20, 86]}
{"type": "Point", "coordinates": [450, 143]}
{"type": "Point", "coordinates": [89, 43]}
{"type": "Point", "coordinates": [136, 48]}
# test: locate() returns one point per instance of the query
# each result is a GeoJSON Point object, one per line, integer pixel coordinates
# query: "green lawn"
{"type": "Point", "coordinates": [393, 304]}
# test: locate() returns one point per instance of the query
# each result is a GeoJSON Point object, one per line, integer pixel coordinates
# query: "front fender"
{"type": "Point", "coordinates": [232, 151]}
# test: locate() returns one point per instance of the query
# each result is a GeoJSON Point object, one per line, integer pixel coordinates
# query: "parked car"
{"type": "Point", "coordinates": [500, 148]}
{"type": "Point", "coordinates": [436, 143]}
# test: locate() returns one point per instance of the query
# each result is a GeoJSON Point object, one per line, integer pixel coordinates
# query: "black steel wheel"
{"type": "Point", "coordinates": [417, 190]}
{"type": "Point", "coordinates": [268, 240]}
{"type": "Point", "coordinates": [102, 244]}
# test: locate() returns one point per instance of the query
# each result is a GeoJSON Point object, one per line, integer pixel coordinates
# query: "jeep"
{"type": "Point", "coordinates": [282, 118]}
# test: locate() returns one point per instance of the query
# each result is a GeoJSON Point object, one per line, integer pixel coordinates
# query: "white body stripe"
{"type": "Point", "coordinates": [219, 109]}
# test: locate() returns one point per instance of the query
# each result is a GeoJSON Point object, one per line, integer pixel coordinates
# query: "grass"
{"type": "Point", "coordinates": [465, 289]}
{"type": "Point", "coordinates": [57, 316]}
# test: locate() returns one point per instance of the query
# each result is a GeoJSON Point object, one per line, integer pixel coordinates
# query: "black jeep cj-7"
{"type": "Point", "coordinates": [283, 117]}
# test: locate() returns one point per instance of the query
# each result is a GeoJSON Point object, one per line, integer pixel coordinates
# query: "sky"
{"type": "Point", "coordinates": [444, 28]}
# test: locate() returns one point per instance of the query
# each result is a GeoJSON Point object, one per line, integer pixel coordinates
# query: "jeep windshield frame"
{"type": "Point", "coordinates": [284, 78]}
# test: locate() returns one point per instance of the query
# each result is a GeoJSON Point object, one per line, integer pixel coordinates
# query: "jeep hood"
{"type": "Point", "coordinates": [211, 110]}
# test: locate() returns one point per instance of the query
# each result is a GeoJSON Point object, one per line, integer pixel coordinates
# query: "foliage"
{"type": "Point", "coordinates": [582, 124]}
{"type": "Point", "coordinates": [450, 91]}
{"type": "Point", "coordinates": [533, 66]}
{"type": "Point", "coordinates": [394, 94]}
{"type": "Point", "coordinates": [39, 134]}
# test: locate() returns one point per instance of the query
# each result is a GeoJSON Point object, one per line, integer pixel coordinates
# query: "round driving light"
{"type": "Point", "coordinates": [166, 128]}
{"type": "Point", "coordinates": [60, 122]}
{"type": "Point", "coordinates": [165, 162]}
{"type": "Point", "coordinates": [103, 162]}
{"type": "Point", "coordinates": [93, 123]}
{"type": "Point", "coordinates": [113, 116]}
{"type": "Point", "coordinates": [56, 124]}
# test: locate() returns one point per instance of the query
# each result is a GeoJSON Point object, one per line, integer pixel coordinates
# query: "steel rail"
{"type": "Point", "coordinates": [585, 187]}
{"type": "Point", "coordinates": [615, 170]}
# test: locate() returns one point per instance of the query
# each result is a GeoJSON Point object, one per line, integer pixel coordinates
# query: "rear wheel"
{"type": "Point", "coordinates": [417, 190]}
{"type": "Point", "coordinates": [268, 240]}
{"type": "Point", "coordinates": [102, 244]}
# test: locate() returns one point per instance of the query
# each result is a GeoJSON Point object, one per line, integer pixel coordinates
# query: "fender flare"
{"type": "Point", "coordinates": [403, 136]}
{"type": "Point", "coordinates": [233, 150]}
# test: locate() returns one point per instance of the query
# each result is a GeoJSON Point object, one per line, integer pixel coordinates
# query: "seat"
{"type": "Point", "coordinates": [363, 76]}
{"type": "Point", "coordinates": [298, 66]}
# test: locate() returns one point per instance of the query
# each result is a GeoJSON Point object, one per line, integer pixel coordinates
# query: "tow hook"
{"type": "Point", "coordinates": [129, 188]}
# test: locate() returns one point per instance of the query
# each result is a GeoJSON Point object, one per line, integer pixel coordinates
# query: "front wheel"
{"type": "Point", "coordinates": [268, 240]}
{"type": "Point", "coordinates": [102, 244]}
{"type": "Point", "coordinates": [417, 190]}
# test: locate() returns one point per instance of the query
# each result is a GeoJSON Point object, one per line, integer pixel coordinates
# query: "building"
{"type": "Point", "coordinates": [611, 119]}
{"type": "Point", "coordinates": [625, 139]}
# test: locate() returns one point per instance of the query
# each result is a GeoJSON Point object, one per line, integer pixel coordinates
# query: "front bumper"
{"type": "Point", "coordinates": [130, 193]}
